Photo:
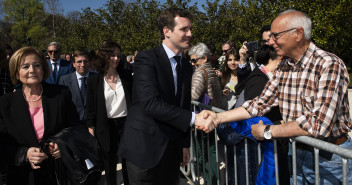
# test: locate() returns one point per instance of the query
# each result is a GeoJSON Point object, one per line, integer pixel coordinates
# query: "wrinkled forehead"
{"type": "Point", "coordinates": [279, 24]}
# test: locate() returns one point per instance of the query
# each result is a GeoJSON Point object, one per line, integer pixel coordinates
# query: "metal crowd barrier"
{"type": "Point", "coordinates": [193, 169]}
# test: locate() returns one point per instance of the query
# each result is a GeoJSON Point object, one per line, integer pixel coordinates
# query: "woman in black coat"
{"type": "Point", "coordinates": [29, 116]}
{"type": "Point", "coordinates": [108, 97]}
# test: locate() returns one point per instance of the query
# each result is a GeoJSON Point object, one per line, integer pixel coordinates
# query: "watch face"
{"type": "Point", "coordinates": [267, 135]}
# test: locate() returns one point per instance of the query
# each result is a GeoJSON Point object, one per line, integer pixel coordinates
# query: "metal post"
{"type": "Point", "coordinates": [259, 146]}
{"type": "Point", "coordinates": [235, 164]}
{"type": "Point", "coordinates": [344, 171]}
{"type": "Point", "coordinates": [246, 159]}
{"type": "Point", "coordinates": [203, 152]}
{"type": "Point", "coordinates": [316, 166]}
{"type": "Point", "coordinates": [227, 168]}
{"type": "Point", "coordinates": [217, 158]}
{"type": "Point", "coordinates": [209, 167]}
{"type": "Point", "coordinates": [197, 153]}
{"type": "Point", "coordinates": [276, 163]}
{"type": "Point", "coordinates": [294, 164]}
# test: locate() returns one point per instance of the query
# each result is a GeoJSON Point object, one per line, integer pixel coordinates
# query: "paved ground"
{"type": "Point", "coordinates": [183, 180]}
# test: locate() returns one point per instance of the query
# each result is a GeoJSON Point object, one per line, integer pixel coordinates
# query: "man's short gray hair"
{"type": "Point", "coordinates": [200, 50]}
{"type": "Point", "coordinates": [299, 19]}
{"type": "Point", "coordinates": [56, 44]}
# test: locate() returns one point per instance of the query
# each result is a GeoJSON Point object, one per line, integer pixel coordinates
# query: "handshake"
{"type": "Point", "coordinates": [206, 121]}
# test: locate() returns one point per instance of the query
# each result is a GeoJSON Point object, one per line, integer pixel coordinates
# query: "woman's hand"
{"type": "Point", "coordinates": [218, 73]}
{"type": "Point", "coordinates": [35, 157]}
{"type": "Point", "coordinates": [54, 150]}
{"type": "Point", "coordinates": [243, 53]}
{"type": "Point", "coordinates": [226, 92]}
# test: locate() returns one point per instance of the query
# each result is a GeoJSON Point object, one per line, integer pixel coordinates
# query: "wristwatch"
{"type": "Point", "coordinates": [267, 132]}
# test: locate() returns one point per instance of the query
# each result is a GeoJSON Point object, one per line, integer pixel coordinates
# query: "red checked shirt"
{"type": "Point", "coordinates": [312, 92]}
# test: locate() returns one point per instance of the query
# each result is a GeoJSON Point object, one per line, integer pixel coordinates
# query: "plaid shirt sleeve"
{"type": "Point", "coordinates": [327, 108]}
{"type": "Point", "coordinates": [263, 103]}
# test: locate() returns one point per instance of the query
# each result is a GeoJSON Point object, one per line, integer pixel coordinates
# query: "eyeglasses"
{"type": "Point", "coordinates": [53, 51]}
{"type": "Point", "coordinates": [195, 60]}
{"type": "Point", "coordinates": [275, 36]}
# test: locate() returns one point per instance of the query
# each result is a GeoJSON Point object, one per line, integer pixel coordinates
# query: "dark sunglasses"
{"type": "Point", "coordinates": [225, 51]}
{"type": "Point", "coordinates": [53, 51]}
{"type": "Point", "coordinates": [195, 60]}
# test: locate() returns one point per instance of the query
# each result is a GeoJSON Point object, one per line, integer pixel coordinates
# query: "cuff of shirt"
{"type": "Point", "coordinates": [242, 65]}
{"type": "Point", "coordinates": [302, 122]}
{"type": "Point", "coordinates": [193, 119]}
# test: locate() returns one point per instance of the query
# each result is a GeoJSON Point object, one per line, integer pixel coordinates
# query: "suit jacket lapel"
{"type": "Point", "coordinates": [24, 120]}
{"type": "Point", "coordinates": [164, 61]}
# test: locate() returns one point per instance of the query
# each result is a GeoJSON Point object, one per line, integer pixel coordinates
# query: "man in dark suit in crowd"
{"type": "Point", "coordinates": [77, 81]}
{"type": "Point", "coordinates": [57, 66]}
{"type": "Point", "coordinates": [156, 137]}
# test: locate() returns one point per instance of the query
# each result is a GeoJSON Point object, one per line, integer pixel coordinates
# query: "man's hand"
{"type": "Point", "coordinates": [91, 130]}
{"type": "Point", "coordinates": [186, 157]}
{"type": "Point", "coordinates": [205, 124]}
{"type": "Point", "coordinates": [258, 130]}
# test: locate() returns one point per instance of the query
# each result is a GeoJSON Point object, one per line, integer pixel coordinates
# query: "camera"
{"type": "Point", "coordinates": [252, 46]}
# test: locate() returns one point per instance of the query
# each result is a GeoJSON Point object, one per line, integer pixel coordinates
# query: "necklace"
{"type": "Point", "coordinates": [40, 96]}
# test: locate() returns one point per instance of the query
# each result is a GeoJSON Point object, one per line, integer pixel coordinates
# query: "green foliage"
{"type": "Point", "coordinates": [27, 16]}
{"type": "Point", "coordinates": [134, 25]}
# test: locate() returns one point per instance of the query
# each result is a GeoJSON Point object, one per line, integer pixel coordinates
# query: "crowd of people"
{"type": "Point", "coordinates": [137, 108]}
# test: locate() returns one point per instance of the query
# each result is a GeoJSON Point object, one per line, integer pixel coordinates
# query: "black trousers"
{"type": "Point", "coordinates": [166, 172]}
{"type": "Point", "coordinates": [110, 158]}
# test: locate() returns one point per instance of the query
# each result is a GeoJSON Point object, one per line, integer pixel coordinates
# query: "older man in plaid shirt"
{"type": "Point", "coordinates": [310, 87]}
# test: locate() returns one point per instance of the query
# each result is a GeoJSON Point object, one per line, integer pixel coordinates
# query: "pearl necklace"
{"type": "Point", "coordinates": [40, 96]}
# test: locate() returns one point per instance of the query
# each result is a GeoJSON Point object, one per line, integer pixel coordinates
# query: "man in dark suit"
{"type": "Point", "coordinates": [57, 66]}
{"type": "Point", "coordinates": [77, 81]}
{"type": "Point", "coordinates": [156, 137]}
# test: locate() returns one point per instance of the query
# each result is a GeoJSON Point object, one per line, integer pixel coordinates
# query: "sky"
{"type": "Point", "coordinates": [78, 5]}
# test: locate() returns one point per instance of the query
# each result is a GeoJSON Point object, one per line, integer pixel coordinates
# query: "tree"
{"type": "Point", "coordinates": [54, 7]}
{"type": "Point", "coordinates": [26, 15]}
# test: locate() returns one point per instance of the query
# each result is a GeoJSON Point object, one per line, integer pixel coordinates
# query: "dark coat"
{"type": "Point", "coordinates": [253, 86]}
{"type": "Point", "coordinates": [82, 164]}
{"type": "Point", "coordinates": [95, 113]}
{"type": "Point", "coordinates": [17, 133]}
{"type": "Point", "coordinates": [154, 117]}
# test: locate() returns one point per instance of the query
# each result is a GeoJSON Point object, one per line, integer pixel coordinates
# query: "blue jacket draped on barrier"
{"type": "Point", "coordinates": [266, 173]}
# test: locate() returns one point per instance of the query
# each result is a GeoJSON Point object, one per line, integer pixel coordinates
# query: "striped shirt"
{"type": "Point", "coordinates": [311, 91]}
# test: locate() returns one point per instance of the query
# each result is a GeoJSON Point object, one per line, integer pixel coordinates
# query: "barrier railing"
{"type": "Point", "coordinates": [194, 169]}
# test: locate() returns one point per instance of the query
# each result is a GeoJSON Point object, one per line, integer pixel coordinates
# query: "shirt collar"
{"type": "Point", "coordinates": [170, 53]}
{"type": "Point", "coordinates": [304, 60]}
{"type": "Point", "coordinates": [58, 61]}
{"type": "Point", "coordinates": [80, 76]}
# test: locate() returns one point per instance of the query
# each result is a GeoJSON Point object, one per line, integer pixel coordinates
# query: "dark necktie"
{"type": "Point", "coordinates": [55, 71]}
{"type": "Point", "coordinates": [179, 78]}
{"type": "Point", "coordinates": [83, 88]}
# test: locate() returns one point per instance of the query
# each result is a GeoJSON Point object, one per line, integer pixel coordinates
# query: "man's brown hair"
{"type": "Point", "coordinates": [167, 18]}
